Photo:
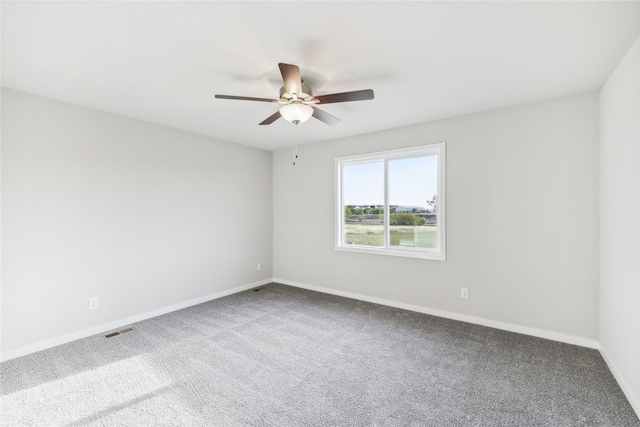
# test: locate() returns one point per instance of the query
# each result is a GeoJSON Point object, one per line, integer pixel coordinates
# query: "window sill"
{"type": "Point", "coordinates": [437, 256]}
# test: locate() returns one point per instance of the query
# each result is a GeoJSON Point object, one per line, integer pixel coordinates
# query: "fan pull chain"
{"type": "Point", "coordinates": [295, 147]}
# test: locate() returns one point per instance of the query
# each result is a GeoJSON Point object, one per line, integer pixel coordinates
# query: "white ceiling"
{"type": "Point", "coordinates": [163, 62]}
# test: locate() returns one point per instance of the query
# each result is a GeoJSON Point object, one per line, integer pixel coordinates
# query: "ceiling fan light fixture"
{"type": "Point", "coordinates": [295, 97]}
{"type": "Point", "coordinates": [296, 113]}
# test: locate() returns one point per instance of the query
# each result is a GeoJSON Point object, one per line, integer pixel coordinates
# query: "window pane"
{"type": "Point", "coordinates": [392, 202]}
{"type": "Point", "coordinates": [363, 204]}
{"type": "Point", "coordinates": [413, 188]}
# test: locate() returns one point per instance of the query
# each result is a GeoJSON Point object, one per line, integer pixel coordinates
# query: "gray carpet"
{"type": "Point", "coordinates": [283, 356]}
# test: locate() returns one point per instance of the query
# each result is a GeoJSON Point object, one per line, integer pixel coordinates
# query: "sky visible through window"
{"type": "Point", "coordinates": [412, 182]}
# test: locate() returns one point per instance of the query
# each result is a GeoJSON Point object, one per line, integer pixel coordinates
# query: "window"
{"type": "Point", "coordinates": [392, 202]}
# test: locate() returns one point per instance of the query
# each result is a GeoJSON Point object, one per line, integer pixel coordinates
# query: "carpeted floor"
{"type": "Point", "coordinates": [284, 356]}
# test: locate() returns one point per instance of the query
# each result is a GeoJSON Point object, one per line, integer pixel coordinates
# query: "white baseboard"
{"type": "Point", "coordinates": [555, 336]}
{"type": "Point", "coordinates": [43, 345]}
{"type": "Point", "coordinates": [626, 389]}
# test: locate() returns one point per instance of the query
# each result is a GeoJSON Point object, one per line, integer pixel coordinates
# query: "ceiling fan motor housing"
{"type": "Point", "coordinates": [305, 95]}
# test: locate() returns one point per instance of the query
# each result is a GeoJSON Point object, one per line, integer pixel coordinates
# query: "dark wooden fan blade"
{"type": "Point", "coordinates": [323, 116]}
{"type": "Point", "coordinates": [272, 118]}
{"type": "Point", "coordinates": [245, 98]}
{"type": "Point", "coordinates": [357, 95]}
{"type": "Point", "coordinates": [291, 78]}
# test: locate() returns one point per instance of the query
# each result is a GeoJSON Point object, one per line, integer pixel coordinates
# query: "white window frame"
{"type": "Point", "coordinates": [437, 149]}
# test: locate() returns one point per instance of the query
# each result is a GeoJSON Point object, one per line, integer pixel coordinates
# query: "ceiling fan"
{"type": "Point", "coordinates": [298, 100]}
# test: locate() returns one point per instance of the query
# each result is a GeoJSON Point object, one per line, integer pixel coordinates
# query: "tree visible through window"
{"type": "Point", "coordinates": [392, 202]}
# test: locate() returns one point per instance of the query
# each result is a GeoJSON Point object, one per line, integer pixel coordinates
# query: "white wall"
{"type": "Point", "coordinates": [620, 223]}
{"type": "Point", "coordinates": [522, 221]}
{"type": "Point", "coordinates": [142, 216]}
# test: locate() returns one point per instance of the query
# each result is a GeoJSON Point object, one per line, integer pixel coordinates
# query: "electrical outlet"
{"type": "Point", "coordinates": [464, 293]}
{"type": "Point", "coordinates": [93, 303]}
{"type": "Point", "coordinates": [258, 267]}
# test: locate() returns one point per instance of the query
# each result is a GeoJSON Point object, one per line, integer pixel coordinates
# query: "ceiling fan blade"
{"type": "Point", "coordinates": [272, 118]}
{"type": "Point", "coordinates": [245, 98]}
{"type": "Point", "coordinates": [291, 78]}
{"type": "Point", "coordinates": [357, 95]}
{"type": "Point", "coordinates": [323, 116]}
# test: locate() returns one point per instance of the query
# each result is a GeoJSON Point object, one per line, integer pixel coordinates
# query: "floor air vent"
{"type": "Point", "coordinates": [124, 331]}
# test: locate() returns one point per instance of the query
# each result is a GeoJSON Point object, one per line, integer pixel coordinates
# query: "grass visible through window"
{"type": "Point", "coordinates": [420, 236]}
